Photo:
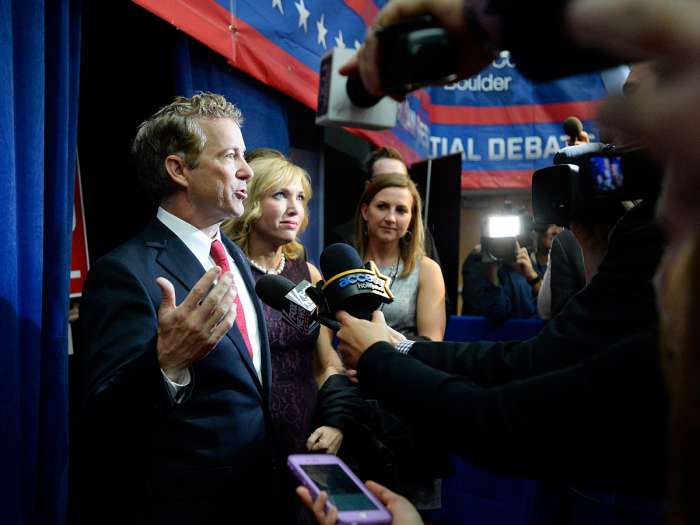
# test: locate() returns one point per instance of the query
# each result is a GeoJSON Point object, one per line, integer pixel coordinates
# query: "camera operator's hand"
{"type": "Point", "coordinates": [663, 116]}
{"type": "Point", "coordinates": [523, 264]}
{"type": "Point", "coordinates": [474, 54]}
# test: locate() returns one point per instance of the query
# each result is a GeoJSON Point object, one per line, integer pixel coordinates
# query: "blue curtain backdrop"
{"type": "Point", "coordinates": [39, 58]}
{"type": "Point", "coordinates": [198, 68]}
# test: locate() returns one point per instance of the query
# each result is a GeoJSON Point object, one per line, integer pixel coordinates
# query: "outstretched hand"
{"type": "Point", "coordinates": [357, 335]}
{"type": "Point", "coordinates": [402, 511]}
{"type": "Point", "coordinates": [325, 439]}
{"type": "Point", "coordinates": [188, 332]}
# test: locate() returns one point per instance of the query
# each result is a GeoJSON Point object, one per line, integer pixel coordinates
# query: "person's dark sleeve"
{"type": "Point", "coordinates": [487, 363]}
{"type": "Point", "coordinates": [600, 422]}
{"type": "Point", "coordinates": [341, 405]}
{"type": "Point", "coordinates": [567, 275]}
{"type": "Point", "coordinates": [523, 299]}
{"type": "Point", "coordinates": [497, 302]}
{"type": "Point", "coordinates": [538, 37]}
{"type": "Point", "coordinates": [479, 296]}
{"type": "Point", "coordinates": [119, 333]}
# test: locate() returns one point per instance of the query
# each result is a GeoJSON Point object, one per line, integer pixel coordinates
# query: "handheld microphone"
{"type": "Point", "coordinates": [343, 101]}
{"type": "Point", "coordinates": [350, 285]}
{"type": "Point", "coordinates": [573, 127]}
{"type": "Point", "coordinates": [297, 309]}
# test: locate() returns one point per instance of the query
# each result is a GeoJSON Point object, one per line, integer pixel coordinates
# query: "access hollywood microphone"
{"type": "Point", "coordinates": [297, 309]}
{"type": "Point", "coordinates": [352, 286]}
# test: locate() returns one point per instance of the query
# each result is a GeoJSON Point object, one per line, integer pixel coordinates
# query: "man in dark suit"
{"type": "Point", "coordinates": [176, 361]}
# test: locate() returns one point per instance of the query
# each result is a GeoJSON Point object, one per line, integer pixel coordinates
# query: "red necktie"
{"type": "Point", "coordinates": [218, 253]}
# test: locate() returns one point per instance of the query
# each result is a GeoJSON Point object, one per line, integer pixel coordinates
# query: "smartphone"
{"type": "Point", "coordinates": [355, 503]}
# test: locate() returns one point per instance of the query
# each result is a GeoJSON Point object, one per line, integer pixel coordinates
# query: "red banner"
{"type": "Point", "coordinates": [79, 250]}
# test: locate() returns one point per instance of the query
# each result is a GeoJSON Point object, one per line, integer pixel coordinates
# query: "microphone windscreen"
{"type": "Point", "coordinates": [572, 126]}
{"type": "Point", "coordinates": [338, 258]}
{"type": "Point", "coordinates": [349, 285]}
{"type": "Point", "coordinates": [272, 290]}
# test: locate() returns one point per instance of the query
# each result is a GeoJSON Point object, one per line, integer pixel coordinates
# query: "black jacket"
{"type": "Point", "coordinates": [583, 402]}
{"type": "Point", "coordinates": [567, 274]}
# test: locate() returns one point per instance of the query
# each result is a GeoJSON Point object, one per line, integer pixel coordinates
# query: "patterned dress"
{"type": "Point", "coordinates": [294, 390]}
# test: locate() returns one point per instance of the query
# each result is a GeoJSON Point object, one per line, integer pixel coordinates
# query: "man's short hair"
{"type": "Point", "coordinates": [384, 152]}
{"type": "Point", "coordinates": [175, 130]}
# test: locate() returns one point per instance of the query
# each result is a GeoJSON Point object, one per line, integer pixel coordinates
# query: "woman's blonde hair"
{"type": "Point", "coordinates": [411, 245]}
{"type": "Point", "coordinates": [272, 173]}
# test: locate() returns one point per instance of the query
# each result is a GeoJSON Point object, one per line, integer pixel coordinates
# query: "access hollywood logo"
{"type": "Point", "coordinates": [363, 280]}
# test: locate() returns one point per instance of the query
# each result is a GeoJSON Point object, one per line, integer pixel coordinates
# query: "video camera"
{"type": "Point", "coordinates": [503, 233]}
{"type": "Point", "coordinates": [588, 183]}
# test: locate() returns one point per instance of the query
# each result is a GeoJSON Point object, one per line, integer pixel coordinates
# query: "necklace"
{"type": "Point", "coordinates": [391, 271]}
{"type": "Point", "coordinates": [396, 270]}
{"type": "Point", "coordinates": [271, 271]}
{"type": "Point", "coordinates": [392, 278]}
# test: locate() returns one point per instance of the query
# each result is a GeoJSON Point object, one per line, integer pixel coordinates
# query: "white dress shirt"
{"type": "Point", "coordinates": [199, 244]}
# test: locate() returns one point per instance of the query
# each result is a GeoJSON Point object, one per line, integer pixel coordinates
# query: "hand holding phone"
{"type": "Point", "coordinates": [353, 501]}
{"type": "Point", "coordinates": [403, 512]}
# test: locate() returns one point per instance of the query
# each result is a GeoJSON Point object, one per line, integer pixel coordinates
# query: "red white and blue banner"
{"type": "Point", "coordinates": [504, 126]}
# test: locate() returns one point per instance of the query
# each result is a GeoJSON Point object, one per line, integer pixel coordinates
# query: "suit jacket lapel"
{"type": "Point", "coordinates": [181, 263]}
{"type": "Point", "coordinates": [174, 256]}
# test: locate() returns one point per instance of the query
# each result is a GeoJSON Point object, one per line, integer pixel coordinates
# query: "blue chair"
{"type": "Point", "coordinates": [471, 328]}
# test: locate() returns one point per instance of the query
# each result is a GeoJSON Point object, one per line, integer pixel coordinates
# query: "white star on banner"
{"type": "Point", "coordinates": [278, 3]}
{"type": "Point", "coordinates": [358, 44]}
{"type": "Point", "coordinates": [303, 15]}
{"type": "Point", "coordinates": [339, 40]}
{"type": "Point", "coordinates": [321, 32]}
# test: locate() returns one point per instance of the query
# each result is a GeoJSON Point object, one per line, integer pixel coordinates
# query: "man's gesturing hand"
{"type": "Point", "coordinates": [188, 332]}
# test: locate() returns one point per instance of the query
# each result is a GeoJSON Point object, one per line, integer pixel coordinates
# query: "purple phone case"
{"type": "Point", "coordinates": [365, 517]}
